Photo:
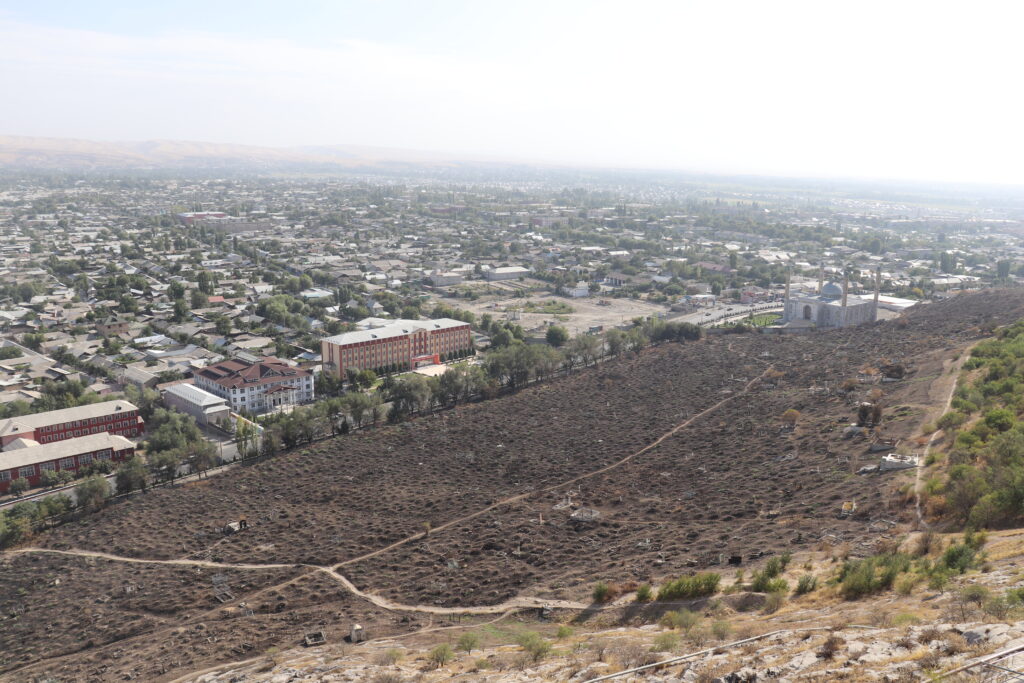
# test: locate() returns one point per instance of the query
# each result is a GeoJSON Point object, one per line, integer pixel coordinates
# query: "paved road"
{"type": "Point", "coordinates": [725, 312]}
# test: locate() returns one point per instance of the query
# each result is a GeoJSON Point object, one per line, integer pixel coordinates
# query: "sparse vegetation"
{"type": "Point", "coordinates": [683, 620]}
{"type": "Point", "coordinates": [695, 586]}
{"type": "Point", "coordinates": [468, 641]}
{"type": "Point", "coordinates": [441, 655]}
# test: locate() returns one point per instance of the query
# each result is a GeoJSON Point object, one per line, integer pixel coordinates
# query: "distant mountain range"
{"type": "Point", "coordinates": [72, 154]}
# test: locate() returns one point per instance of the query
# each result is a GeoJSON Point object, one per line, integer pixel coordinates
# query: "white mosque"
{"type": "Point", "coordinates": [830, 307]}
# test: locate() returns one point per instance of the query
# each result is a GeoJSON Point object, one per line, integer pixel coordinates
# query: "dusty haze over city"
{"type": "Point", "coordinates": [909, 90]}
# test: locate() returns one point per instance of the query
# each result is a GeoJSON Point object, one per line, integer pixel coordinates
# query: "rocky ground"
{"type": "Point", "coordinates": [891, 637]}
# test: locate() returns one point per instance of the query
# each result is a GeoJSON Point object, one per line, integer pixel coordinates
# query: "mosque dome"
{"type": "Point", "coordinates": [831, 290]}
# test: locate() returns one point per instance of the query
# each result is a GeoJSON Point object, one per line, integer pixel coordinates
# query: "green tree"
{"type": "Point", "coordinates": [205, 282]}
{"type": "Point", "coordinates": [556, 335]}
{"type": "Point", "coordinates": [441, 655]}
{"type": "Point", "coordinates": [203, 456]}
{"type": "Point", "coordinates": [165, 463]}
{"type": "Point", "coordinates": [131, 475]}
{"type": "Point", "coordinates": [366, 378]}
{"type": "Point", "coordinates": [18, 486]}
{"type": "Point", "coordinates": [92, 493]}
{"type": "Point", "coordinates": [468, 641]}
{"type": "Point", "coordinates": [181, 310]}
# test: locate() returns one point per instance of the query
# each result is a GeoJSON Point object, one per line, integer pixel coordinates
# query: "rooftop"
{"type": "Point", "coordinates": [397, 328]}
{"type": "Point", "coordinates": [242, 371]}
{"type": "Point", "coordinates": [22, 457]}
{"type": "Point", "coordinates": [23, 423]}
{"type": "Point", "coordinates": [194, 395]}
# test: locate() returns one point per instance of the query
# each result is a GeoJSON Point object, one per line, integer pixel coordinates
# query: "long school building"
{"type": "Point", "coordinates": [115, 417]}
{"type": "Point", "coordinates": [30, 460]}
{"type": "Point", "coordinates": [400, 345]}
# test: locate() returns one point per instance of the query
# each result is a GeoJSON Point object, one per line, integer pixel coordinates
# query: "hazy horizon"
{"type": "Point", "coordinates": [915, 91]}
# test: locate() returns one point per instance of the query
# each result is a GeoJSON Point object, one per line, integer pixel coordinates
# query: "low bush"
{"type": "Point", "coordinates": [806, 584]}
{"type": "Point", "coordinates": [602, 592]}
{"type": "Point", "coordinates": [686, 587]}
{"type": "Point", "coordinates": [537, 648]}
{"type": "Point", "coordinates": [683, 619]}
{"type": "Point", "coordinates": [764, 582]}
{"type": "Point", "coordinates": [721, 629]}
{"type": "Point", "coordinates": [665, 642]}
{"type": "Point", "coordinates": [860, 578]}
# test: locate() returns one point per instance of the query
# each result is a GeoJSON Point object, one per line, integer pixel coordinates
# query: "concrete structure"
{"type": "Point", "coordinates": [506, 273]}
{"type": "Point", "coordinates": [116, 417]}
{"type": "Point", "coordinates": [31, 459]}
{"type": "Point", "coordinates": [201, 405]}
{"type": "Point", "coordinates": [444, 279]}
{"type": "Point", "coordinates": [256, 384]}
{"type": "Point", "coordinates": [581, 290]}
{"type": "Point", "coordinates": [402, 344]}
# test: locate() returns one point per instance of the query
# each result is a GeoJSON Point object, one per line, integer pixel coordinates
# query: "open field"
{"type": "Point", "coordinates": [680, 449]}
{"type": "Point", "coordinates": [586, 314]}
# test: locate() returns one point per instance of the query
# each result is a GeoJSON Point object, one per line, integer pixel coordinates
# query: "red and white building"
{"type": "Point", "coordinates": [255, 384]}
{"type": "Point", "coordinates": [405, 344]}
{"type": "Point", "coordinates": [113, 417]}
{"type": "Point", "coordinates": [27, 459]}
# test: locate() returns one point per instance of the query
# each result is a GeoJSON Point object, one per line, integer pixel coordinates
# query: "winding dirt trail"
{"type": "Point", "coordinates": [954, 373]}
{"type": "Point", "coordinates": [500, 609]}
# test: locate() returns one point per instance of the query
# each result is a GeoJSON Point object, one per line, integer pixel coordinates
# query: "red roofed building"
{"type": "Point", "coordinates": [255, 384]}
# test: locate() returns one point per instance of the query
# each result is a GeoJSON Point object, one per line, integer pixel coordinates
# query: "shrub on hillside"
{"type": "Point", "coordinates": [686, 587]}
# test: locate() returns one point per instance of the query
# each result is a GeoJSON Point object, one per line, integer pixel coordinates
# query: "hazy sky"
{"type": "Point", "coordinates": [927, 90]}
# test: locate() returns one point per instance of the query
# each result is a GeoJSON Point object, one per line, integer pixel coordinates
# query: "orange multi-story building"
{"type": "Point", "coordinates": [400, 345]}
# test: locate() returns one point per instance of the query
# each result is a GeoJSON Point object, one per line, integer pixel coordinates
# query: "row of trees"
{"type": "Point", "coordinates": [21, 520]}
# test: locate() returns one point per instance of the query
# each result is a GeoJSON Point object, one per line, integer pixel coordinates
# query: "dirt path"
{"type": "Point", "coordinates": [138, 560]}
{"type": "Point", "coordinates": [554, 487]}
{"type": "Point", "coordinates": [501, 609]}
{"type": "Point", "coordinates": [951, 375]}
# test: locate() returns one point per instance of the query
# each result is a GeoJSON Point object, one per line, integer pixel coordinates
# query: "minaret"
{"type": "Point", "coordinates": [821, 276]}
{"type": "Point", "coordinates": [846, 287]}
{"type": "Point", "coordinates": [785, 306]}
{"type": "Point", "coordinates": [878, 289]}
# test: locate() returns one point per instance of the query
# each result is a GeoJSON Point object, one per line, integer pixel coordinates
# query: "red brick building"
{"type": "Point", "coordinates": [26, 459]}
{"type": "Point", "coordinates": [114, 417]}
{"type": "Point", "coordinates": [402, 345]}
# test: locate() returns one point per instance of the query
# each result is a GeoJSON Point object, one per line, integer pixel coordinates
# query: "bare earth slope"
{"type": "Point", "coordinates": [680, 449]}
